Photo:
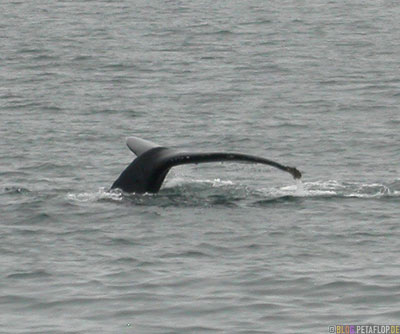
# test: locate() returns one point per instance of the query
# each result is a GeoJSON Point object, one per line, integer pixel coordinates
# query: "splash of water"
{"type": "Point", "coordinates": [300, 188]}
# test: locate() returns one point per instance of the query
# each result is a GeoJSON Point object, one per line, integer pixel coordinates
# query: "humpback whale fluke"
{"type": "Point", "coordinates": [147, 172]}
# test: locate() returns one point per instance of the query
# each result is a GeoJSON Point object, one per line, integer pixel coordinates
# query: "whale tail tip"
{"type": "Point", "coordinates": [295, 172]}
{"type": "Point", "coordinates": [138, 145]}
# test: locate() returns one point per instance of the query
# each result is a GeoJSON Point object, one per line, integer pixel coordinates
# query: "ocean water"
{"type": "Point", "coordinates": [223, 248]}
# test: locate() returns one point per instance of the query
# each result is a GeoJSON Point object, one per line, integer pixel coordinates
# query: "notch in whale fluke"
{"type": "Point", "coordinates": [148, 170]}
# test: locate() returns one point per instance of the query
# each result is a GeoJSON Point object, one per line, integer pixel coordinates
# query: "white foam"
{"type": "Point", "coordinates": [178, 181]}
{"type": "Point", "coordinates": [95, 196]}
{"type": "Point", "coordinates": [174, 182]}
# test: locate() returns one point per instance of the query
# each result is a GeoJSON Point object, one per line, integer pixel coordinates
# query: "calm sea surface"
{"type": "Point", "coordinates": [223, 248]}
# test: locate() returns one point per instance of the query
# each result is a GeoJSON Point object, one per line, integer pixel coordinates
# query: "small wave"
{"type": "Point", "coordinates": [29, 275]}
{"type": "Point", "coordinates": [187, 253]}
{"type": "Point", "coordinates": [16, 299]}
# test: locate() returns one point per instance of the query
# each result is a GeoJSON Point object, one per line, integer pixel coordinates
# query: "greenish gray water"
{"type": "Point", "coordinates": [223, 248]}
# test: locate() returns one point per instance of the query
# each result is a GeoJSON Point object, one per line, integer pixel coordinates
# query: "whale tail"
{"type": "Point", "coordinates": [147, 172]}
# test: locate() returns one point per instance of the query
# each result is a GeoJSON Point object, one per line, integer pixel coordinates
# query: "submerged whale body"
{"type": "Point", "coordinates": [148, 170]}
